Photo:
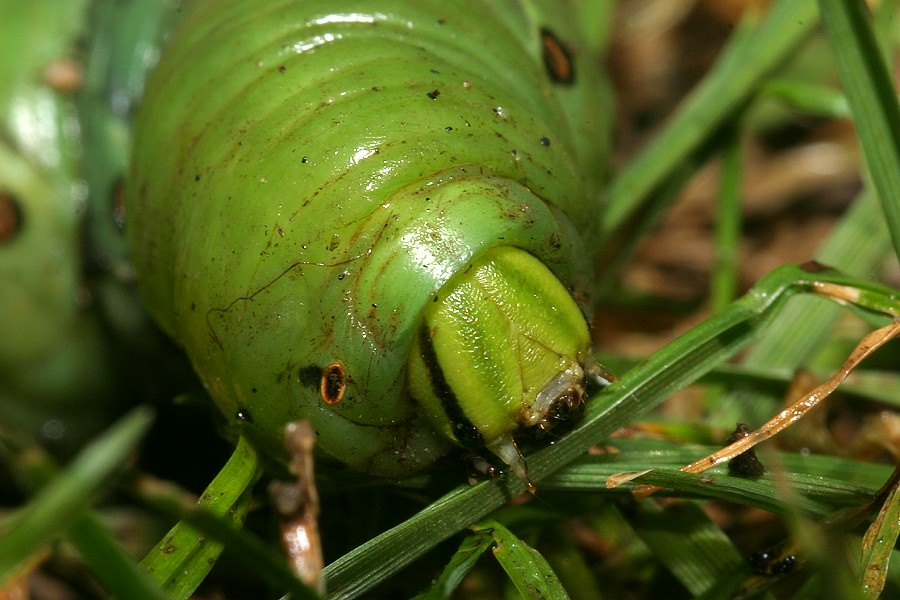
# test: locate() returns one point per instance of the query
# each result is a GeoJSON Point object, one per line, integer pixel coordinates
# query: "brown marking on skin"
{"type": "Point", "coordinates": [557, 58]}
{"type": "Point", "coordinates": [10, 217]}
{"type": "Point", "coordinates": [333, 384]}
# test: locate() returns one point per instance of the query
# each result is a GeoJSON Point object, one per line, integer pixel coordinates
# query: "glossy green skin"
{"type": "Point", "coordinates": [297, 196]}
{"type": "Point", "coordinates": [57, 374]}
{"type": "Point", "coordinates": [53, 353]}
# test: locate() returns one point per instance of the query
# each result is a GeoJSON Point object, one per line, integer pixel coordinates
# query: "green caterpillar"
{"type": "Point", "coordinates": [371, 215]}
{"type": "Point", "coordinates": [58, 375]}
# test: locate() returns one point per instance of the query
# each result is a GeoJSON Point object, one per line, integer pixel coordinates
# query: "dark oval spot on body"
{"type": "Point", "coordinates": [433, 94]}
{"type": "Point", "coordinates": [545, 141]}
{"type": "Point", "coordinates": [310, 375]}
{"type": "Point", "coordinates": [282, 69]}
{"type": "Point", "coordinates": [557, 58]}
{"type": "Point", "coordinates": [244, 415]}
{"type": "Point", "coordinates": [304, 160]}
{"type": "Point", "coordinates": [333, 384]}
{"type": "Point", "coordinates": [11, 219]}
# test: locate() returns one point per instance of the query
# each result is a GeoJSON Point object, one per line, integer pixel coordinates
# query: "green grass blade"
{"type": "Point", "coordinates": [809, 98]}
{"type": "Point", "coordinates": [574, 569]}
{"type": "Point", "coordinates": [618, 249]}
{"type": "Point", "coordinates": [827, 471]}
{"type": "Point", "coordinates": [183, 558]}
{"type": "Point", "coordinates": [748, 59]}
{"type": "Point", "coordinates": [728, 228]}
{"type": "Point", "coordinates": [819, 496]}
{"type": "Point", "coordinates": [60, 504]}
{"type": "Point", "coordinates": [878, 544]}
{"type": "Point", "coordinates": [872, 98]}
{"type": "Point", "coordinates": [526, 568]}
{"type": "Point", "coordinates": [459, 565]}
{"type": "Point", "coordinates": [886, 18]}
{"type": "Point", "coordinates": [371, 563]}
{"type": "Point", "coordinates": [269, 563]}
{"type": "Point", "coordinates": [116, 570]}
{"type": "Point", "coordinates": [870, 385]}
{"type": "Point", "coordinates": [858, 245]}
{"type": "Point", "coordinates": [693, 548]}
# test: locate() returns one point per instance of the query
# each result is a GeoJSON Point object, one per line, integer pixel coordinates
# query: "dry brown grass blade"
{"type": "Point", "coordinates": [784, 419]}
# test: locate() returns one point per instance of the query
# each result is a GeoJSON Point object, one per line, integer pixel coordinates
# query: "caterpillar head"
{"type": "Point", "coordinates": [502, 350]}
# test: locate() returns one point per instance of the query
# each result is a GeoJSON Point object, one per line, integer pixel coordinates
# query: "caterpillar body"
{"type": "Point", "coordinates": [372, 216]}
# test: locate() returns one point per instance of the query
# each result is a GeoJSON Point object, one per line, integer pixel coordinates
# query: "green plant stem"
{"type": "Point", "coordinates": [872, 98]}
